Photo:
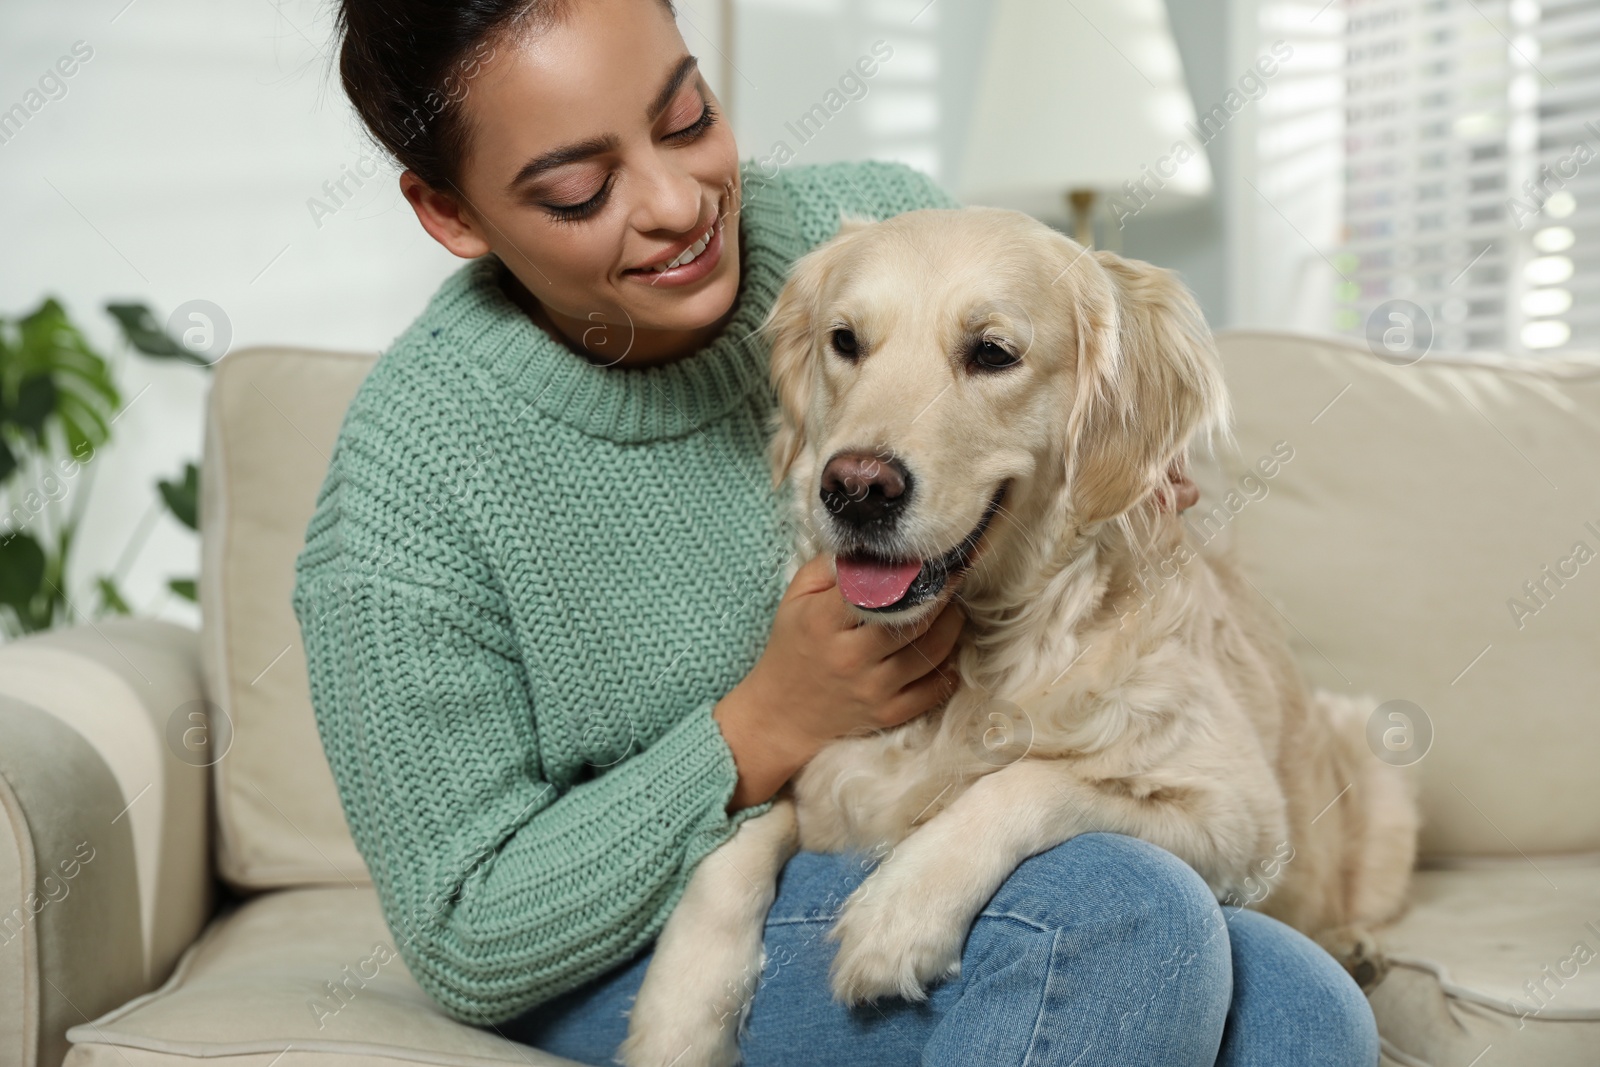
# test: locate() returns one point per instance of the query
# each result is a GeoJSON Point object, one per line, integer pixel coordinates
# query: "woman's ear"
{"type": "Point", "coordinates": [1148, 379]}
{"type": "Point", "coordinates": [790, 329]}
{"type": "Point", "coordinates": [442, 215]}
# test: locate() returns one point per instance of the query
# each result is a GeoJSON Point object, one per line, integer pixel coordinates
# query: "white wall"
{"type": "Point", "coordinates": [792, 53]}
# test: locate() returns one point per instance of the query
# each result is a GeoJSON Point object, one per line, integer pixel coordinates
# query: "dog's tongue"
{"type": "Point", "coordinates": [871, 584]}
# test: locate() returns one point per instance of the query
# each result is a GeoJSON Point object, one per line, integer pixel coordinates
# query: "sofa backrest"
{"type": "Point", "coordinates": [1417, 507]}
{"type": "Point", "coordinates": [271, 420]}
{"type": "Point", "coordinates": [1434, 540]}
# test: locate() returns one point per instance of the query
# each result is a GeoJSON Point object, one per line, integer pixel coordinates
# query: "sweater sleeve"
{"type": "Point", "coordinates": [501, 890]}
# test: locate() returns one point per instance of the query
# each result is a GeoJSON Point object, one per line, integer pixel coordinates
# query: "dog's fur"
{"type": "Point", "coordinates": [1175, 713]}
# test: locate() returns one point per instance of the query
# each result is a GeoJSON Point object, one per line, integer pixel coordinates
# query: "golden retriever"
{"type": "Point", "coordinates": [968, 390]}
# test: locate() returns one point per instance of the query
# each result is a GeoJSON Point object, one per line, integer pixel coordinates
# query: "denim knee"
{"type": "Point", "coordinates": [1122, 890]}
{"type": "Point", "coordinates": [1126, 926]}
{"type": "Point", "coordinates": [1112, 874]}
{"type": "Point", "coordinates": [1293, 1002]}
{"type": "Point", "coordinates": [1349, 1022]}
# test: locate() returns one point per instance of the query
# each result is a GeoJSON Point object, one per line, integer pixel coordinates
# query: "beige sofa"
{"type": "Point", "coordinates": [1395, 539]}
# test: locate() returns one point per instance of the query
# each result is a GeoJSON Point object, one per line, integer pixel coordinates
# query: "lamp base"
{"type": "Point", "coordinates": [1082, 203]}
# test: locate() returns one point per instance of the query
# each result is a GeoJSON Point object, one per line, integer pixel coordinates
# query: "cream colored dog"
{"type": "Point", "coordinates": [969, 390]}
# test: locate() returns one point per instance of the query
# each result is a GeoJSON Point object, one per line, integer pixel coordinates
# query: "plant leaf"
{"type": "Point", "coordinates": [183, 497]}
{"type": "Point", "coordinates": [111, 600]}
{"type": "Point", "coordinates": [184, 587]}
{"type": "Point", "coordinates": [51, 370]}
{"type": "Point", "coordinates": [21, 571]}
{"type": "Point", "coordinates": [36, 399]}
{"type": "Point", "coordinates": [144, 333]}
{"type": "Point", "coordinates": [141, 330]}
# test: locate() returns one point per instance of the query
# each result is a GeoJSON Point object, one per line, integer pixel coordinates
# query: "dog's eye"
{"type": "Point", "coordinates": [844, 342]}
{"type": "Point", "coordinates": [991, 355]}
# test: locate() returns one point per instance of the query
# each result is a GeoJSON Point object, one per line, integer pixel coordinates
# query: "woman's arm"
{"type": "Point", "coordinates": [501, 892]}
{"type": "Point", "coordinates": [765, 761]}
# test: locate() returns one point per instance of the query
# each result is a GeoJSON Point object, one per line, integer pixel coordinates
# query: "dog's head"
{"type": "Point", "coordinates": [953, 378]}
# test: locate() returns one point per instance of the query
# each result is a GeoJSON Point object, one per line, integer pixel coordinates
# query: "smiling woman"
{"type": "Point", "coordinates": [606, 207]}
{"type": "Point", "coordinates": [546, 699]}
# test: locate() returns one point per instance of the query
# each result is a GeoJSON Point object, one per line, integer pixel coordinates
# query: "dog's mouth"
{"type": "Point", "coordinates": [874, 583]}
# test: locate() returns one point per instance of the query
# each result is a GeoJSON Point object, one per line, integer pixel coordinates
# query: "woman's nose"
{"type": "Point", "coordinates": [671, 200]}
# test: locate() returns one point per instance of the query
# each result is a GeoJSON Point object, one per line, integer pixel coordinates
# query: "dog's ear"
{"type": "Point", "coordinates": [790, 331]}
{"type": "Point", "coordinates": [1148, 380]}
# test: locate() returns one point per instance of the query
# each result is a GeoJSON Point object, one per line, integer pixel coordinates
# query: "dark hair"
{"type": "Point", "coordinates": [406, 65]}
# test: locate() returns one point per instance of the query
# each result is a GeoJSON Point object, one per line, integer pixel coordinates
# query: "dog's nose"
{"type": "Point", "coordinates": [860, 488]}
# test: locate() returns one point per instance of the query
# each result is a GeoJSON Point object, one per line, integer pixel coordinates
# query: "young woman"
{"type": "Point", "coordinates": [552, 658]}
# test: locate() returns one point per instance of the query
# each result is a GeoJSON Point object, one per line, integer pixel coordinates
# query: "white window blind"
{"type": "Point", "coordinates": [1469, 168]}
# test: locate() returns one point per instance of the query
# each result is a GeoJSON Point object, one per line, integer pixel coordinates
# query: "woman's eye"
{"type": "Point", "coordinates": [990, 355]}
{"type": "Point", "coordinates": [708, 116]}
{"type": "Point", "coordinates": [576, 212]}
{"type": "Point", "coordinates": [844, 342]}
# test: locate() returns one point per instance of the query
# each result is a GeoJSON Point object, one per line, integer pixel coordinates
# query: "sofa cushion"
{"type": "Point", "coordinates": [315, 970]}
{"type": "Point", "coordinates": [1431, 534]}
{"type": "Point", "coordinates": [271, 420]}
{"type": "Point", "coordinates": [1496, 967]}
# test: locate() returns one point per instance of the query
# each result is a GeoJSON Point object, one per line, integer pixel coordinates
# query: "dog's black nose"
{"type": "Point", "coordinates": [862, 488]}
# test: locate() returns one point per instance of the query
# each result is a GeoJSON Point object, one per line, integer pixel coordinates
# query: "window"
{"type": "Point", "coordinates": [1465, 138]}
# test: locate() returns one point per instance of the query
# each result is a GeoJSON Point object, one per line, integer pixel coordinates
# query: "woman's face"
{"type": "Point", "coordinates": [595, 151]}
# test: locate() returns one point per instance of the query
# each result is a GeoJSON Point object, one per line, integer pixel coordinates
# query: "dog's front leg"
{"type": "Point", "coordinates": [708, 958]}
{"type": "Point", "coordinates": [905, 925]}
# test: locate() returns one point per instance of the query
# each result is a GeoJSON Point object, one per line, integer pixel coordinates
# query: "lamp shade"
{"type": "Point", "coordinates": [1082, 95]}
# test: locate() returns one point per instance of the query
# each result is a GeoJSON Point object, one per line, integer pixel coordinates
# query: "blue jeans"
{"type": "Point", "coordinates": [1103, 950]}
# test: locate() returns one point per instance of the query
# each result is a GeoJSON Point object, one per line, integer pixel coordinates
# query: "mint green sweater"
{"type": "Point", "coordinates": [527, 581]}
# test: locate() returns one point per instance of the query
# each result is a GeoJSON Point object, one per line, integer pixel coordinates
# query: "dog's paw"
{"type": "Point", "coordinates": [891, 946]}
{"type": "Point", "coordinates": [1358, 953]}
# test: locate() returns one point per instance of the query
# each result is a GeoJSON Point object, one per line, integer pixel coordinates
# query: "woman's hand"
{"type": "Point", "coordinates": [823, 676]}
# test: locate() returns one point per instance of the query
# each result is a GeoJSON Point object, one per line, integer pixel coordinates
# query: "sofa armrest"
{"type": "Point", "coordinates": [106, 768]}
{"type": "Point", "coordinates": [69, 927]}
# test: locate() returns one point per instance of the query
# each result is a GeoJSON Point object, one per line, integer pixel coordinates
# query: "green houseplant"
{"type": "Point", "coordinates": [58, 406]}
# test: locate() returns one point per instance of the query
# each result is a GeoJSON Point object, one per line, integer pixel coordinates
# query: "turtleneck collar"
{"type": "Point", "coordinates": [472, 314]}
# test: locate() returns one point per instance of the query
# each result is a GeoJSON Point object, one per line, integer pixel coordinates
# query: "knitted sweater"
{"type": "Point", "coordinates": [527, 581]}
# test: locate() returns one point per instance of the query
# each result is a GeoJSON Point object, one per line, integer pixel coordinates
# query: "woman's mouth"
{"type": "Point", "coordinates": [688, 266]}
